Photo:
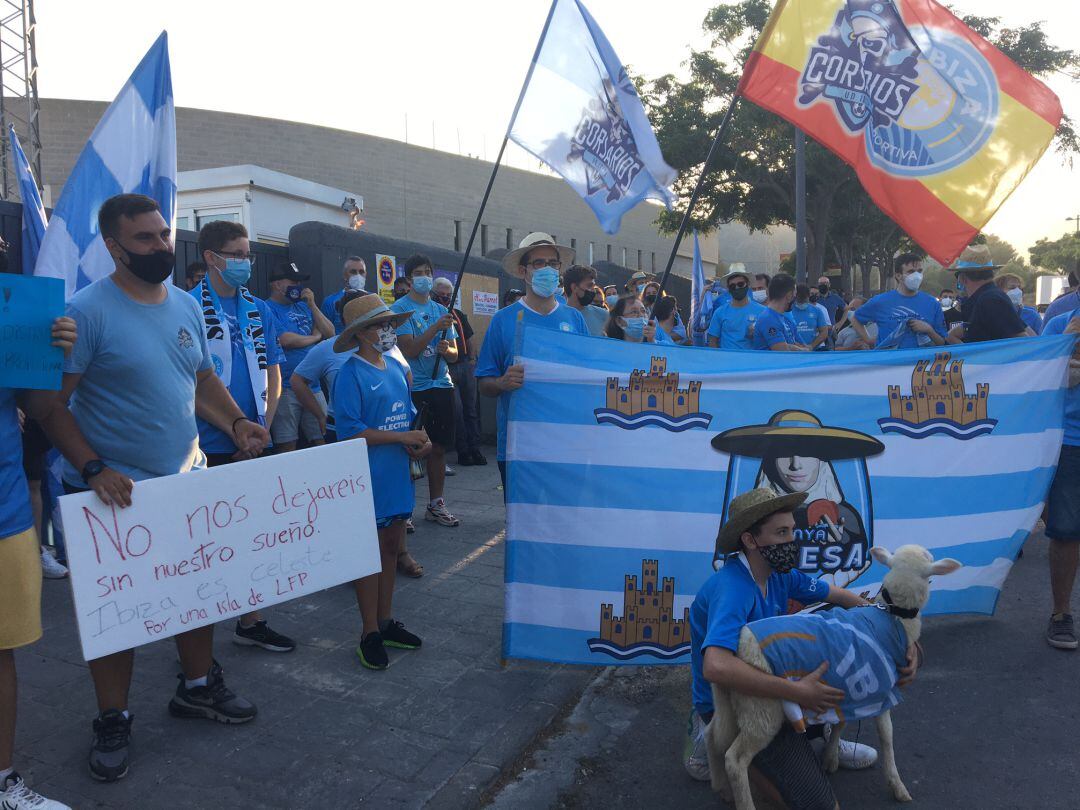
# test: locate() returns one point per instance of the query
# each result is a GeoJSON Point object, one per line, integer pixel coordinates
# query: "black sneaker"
{"type": "Point", "coordinates": [465, 459]}
{"type": "Point", "coordinates": [372, 653]}
{"type": "Point", "coordinates": [1060, 633]}
{"type": "Point", "coordinates": [478, 458]}
{"type": "Point", "coordinates": [109, 751]}
{"type": "Point", "coordinates": [395, 635]}
{"type": "Point", "coordinates": [215, 701]}
{"type": "Point", "coordinates": [260, 635]}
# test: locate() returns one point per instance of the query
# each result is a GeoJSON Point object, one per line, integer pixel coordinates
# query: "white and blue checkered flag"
{"type": "Point", "coordinates": [581, 115]}
{"type": "Point", "coordinates": [132, 150]}
{"type": "Point", "coordinates": [33, 212]}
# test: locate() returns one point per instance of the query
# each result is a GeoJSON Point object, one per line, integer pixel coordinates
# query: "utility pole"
{"type": "Point", "coordinates": [800, 206]}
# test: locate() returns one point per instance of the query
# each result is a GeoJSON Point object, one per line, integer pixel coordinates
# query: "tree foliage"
{"type": "Point", "coordinates": [752, 178]}
{"type": "Point", "coordinates": [1060, 254]}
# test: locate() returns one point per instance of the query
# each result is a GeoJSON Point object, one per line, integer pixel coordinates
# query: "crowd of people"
{"type": "Point", "coordinates": [236, 377]}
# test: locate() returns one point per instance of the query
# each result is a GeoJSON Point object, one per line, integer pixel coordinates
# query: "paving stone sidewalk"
{"type": "Point", "coordinates": [434, 730]}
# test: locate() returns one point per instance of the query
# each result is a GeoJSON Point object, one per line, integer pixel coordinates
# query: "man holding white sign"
{"type": "Point", "coordinates": [139, 374]}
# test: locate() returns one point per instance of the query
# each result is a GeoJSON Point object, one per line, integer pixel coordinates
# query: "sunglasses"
{"type": "Point", "coordinates": [741, 285]}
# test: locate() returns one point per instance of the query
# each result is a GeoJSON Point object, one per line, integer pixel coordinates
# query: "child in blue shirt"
{"type": "Point", "coordinates": [373, 401]}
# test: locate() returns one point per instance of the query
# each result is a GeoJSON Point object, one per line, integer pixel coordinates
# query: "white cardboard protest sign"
{"type": "Point", "coordinates": [208, 545]}
{"type": "Point", "coordinates": [485, 303]}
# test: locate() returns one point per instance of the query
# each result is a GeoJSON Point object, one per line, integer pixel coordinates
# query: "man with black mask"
{"type": "Point", "coordinates": [142, 362]}
{"type": "Point", "coordinates": [830, 299]}
{"type": "Point", "coordinates": [579, 282]}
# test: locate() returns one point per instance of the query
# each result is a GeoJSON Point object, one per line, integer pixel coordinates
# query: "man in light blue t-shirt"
{"type": "Point", "coordinates": [138, 372]}
{"type": "Point", "coordinates": [579, 282]}
{"type": "Point", "coordinates": [353, 277]}
{"type": "Point", "coordinates": [732, 323]}
{"type": "Point", "coordinates": [775, 329]}
{"type": "Point", "coordinates": [906, 318]}
{"type": "Point", "coordinates": [537, 260]}
{"type": "Point", "coordinates": [427, 335]}
{"type": "Point", "coordinates": [811, 321]}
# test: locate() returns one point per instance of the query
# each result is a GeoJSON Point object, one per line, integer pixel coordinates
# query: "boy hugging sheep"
{"type": "Point", "coordinates": [757, 580]}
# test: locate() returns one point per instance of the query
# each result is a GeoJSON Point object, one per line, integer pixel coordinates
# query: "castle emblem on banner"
{"type": "Point", "coordinates": [604, 143]}
{"type": "Point", "coordinates": [653, 399]}
{"type": "Point", "coordinates": [911, 92]}
{"type": "Point", "coordinates": [647, 625]}
{"type": "Point", "coordinates": [939, 403]}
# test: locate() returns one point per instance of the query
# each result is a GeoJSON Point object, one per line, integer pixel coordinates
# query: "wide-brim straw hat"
{"type": "Point", "coordinates": [975, 257]}
{"type": "Point", "coordinates": [512, 260]}
{"type": "Point", "coordinates": [797, 433]}
{"type": "Point", "coordinates": [747, 509]}
{"type": "Point", "coordinates": [362, 312]}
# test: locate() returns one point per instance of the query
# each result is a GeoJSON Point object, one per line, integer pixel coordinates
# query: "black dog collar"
{"type": "Point", "coordinates": [902, 612]}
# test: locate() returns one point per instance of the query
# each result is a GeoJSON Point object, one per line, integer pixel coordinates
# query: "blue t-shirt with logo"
{"type": "Point", "coordinates": [497, 353]}
{"type": "Point", "coordinates": [212, 440]}
{"type": "Point", "coordinates": [370, 398]}
{"type": "Point", "coordinates": [296, 318]}
{"type": "Point", "coordinates": [891, 311]}
{"type": "Point", "coordinates": [421, 318]}
{"type": "Point", "coordinates": [731, 324]}
{"type": "Point", "coordinates": [135, 403]}
{"type": "Point", "coordinates": [15, 514]}
{"type": "Point", "coordinates": [1056, 326]}
{"type": "Point", "coordinates": [808, 320]}
{"type": "Point", "coordinates": [730, 599]}
{"type": "Point", "coordinates": [774, 327]}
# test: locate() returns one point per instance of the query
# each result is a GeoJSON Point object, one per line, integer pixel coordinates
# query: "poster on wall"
{"type": "Point", "coordinates": [386, 271]}
{"type": "Point", "coordinates": [485, 303]}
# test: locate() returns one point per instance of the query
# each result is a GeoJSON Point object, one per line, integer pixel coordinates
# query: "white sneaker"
{"type": "Point", "coordinates": [51, 568]}
{"type": "Point", "coordinates": [856, 756]}
{"type": "Point", "coordinates": [440, 514]}
{"type": "Point", "coordinates": [17, 796]}
{"type": "Point", "coordinates": [695, 755]}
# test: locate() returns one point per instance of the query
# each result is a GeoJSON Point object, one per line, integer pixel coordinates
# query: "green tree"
{"type": "Point", "coordinates": [752, 178]}
{"type": "Point", "coordinates": [1060, 254]}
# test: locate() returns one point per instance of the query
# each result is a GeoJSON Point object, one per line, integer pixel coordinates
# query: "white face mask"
{"type": "Point", "coordinates": [760, 296]}
{"type": "Point", "coordinates": [357, 282]}
{"type": "Point", "coordinates": [1017, 297]}
{"type": "Point", "coordinates": [913, 281]}
{"type": "Point", "coordinates": [946, 302]}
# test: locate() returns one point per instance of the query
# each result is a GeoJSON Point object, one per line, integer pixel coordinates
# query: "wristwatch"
{"type": "Point", "coordinates": [92, 468]}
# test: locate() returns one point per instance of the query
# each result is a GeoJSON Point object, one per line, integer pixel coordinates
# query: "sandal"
{"type": "Point", "coordinates": [408, 566]}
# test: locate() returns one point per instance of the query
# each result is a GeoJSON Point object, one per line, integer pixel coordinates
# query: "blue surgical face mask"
{"type": "Point", "coordinates": [801, 306]}
{"type": "Point", "coordinates": [612, 300]}
{"type": "Point", "coordinates": [236, 272]}
{"type": "Point", "coordinates": [545, 281]}
{"type": "Point", "coordinates": [635, 328]}
{"type": "Point", "coordinates": [422, 284]}
{"type": "Point", "coordinates": [960, 288]}
{"type": "Point", "coordinates": [293, 292]}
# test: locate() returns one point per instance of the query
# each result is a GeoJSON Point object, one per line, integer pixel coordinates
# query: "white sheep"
{"type": "Point", "coordinates": [743, 725]}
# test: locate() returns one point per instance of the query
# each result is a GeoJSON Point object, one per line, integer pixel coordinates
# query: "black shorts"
{"type": "Point", "coordinates": [437, 404]}
{"type": "Point", "coordinates": [34, 447]}
{"type": "Point", "coordinates": [789, 763]}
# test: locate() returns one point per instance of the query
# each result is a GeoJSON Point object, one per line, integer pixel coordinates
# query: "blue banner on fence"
{"type": "Point", "coordinates": [612, 524]}
{"type": "Point", "coordinates": [28, 306]}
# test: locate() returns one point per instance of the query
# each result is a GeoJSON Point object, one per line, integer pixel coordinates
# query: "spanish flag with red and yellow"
{"type": "Point", "coordinates": [939, 125]}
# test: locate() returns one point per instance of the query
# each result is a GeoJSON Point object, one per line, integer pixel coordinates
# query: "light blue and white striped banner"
{"type": "Point", "coordinates": [616, 492]}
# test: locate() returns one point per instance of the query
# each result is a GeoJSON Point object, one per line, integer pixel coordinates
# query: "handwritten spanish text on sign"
{"type": "Point", "coordinates": [205, 546]}
{"type": "Point", "coordinates": [485, 303]}
{"type": "Point", "coordinates": [28, 306]}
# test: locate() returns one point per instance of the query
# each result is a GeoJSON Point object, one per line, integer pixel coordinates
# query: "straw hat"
{"type": "Point", "coordinates": [797, 433]}
{"type": "Point", "coordinates": [512, 260]}
{"type": "Point", "coordinates": [975, 257]}
{"type": "Point", "coordinates": [362, 312]}
{"type": "Point", "coordinates": [747, 509]}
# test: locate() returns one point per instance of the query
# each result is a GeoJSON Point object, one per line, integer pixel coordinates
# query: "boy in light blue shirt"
{"type": "Point", "coordinates": [733, 322]}
{"type": "Point", "coordinates": [811, 322]}
{"type": "Point", "coordinates": [906, 318]}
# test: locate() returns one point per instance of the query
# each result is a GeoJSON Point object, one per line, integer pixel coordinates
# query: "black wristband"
{"type": "Point", "coordinates": [238, 419]}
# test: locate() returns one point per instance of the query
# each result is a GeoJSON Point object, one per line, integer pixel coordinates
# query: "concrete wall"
{"type": "Point", "coordinates": [410, 192]}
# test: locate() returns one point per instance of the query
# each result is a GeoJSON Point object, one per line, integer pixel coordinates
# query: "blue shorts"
{"type": "Point", "coordinates": [1063, 503]}
{"type": "Point", "coordinates": [382, 523]}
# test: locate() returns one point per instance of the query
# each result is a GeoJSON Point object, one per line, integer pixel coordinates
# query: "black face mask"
{"type": "Point", "coordinates": [739, 293]}
{"type": "Point", "coordinates": [823, 289]}
{"type": "Point", "coordinates": [153, 268]}
{"type": "Point", "coordinates": [399, 294]}
{"type": "Point", "coordinates": [586, 297]}
{"type": "Point", "coordinates": [782, 557]}
{"type": "Point", "coordinates": [650, 299]}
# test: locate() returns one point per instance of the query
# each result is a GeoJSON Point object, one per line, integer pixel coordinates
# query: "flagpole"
{"type": "Point", "coordinates": [494, 171]}
{"type": "Point", "coordinates": [720, 132]}
{"type": "Point", "coordinates": [800, 206]}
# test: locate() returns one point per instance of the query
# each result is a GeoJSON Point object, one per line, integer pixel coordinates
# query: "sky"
{"type": "Point", "coordinates": [435, 73]}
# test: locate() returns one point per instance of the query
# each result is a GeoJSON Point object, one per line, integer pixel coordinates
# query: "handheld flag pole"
{"type": "Point", "coordinates": [720, 133]}
{"type": "Point", "coordinates": [491, 179]}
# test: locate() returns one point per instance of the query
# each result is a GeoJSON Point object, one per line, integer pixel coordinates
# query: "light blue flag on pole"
{"type": "Point", "coordinates": [697, 290]}
{"type": "Point", "coordinates": [581, 115]}
{"type": "Point", "coordinates": [132, 150]}
{"type": "Point", "coordinates": [33, 212]}
{"type": "Point", "coordinates": [623, 459]}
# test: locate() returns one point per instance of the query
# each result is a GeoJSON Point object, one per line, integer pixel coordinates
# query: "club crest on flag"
{"type": "Point", "coordinates": [653, 399]}
{"type": "Point", "coordinates": [647, 625]}
{"type": "Point", "coordinates": [795, 452]}
{"type": "Point", "coordinates": [939, 403]}
{"type": "Point", "coordinates": [604, 142]}
{"type": "Point", "coordinates": [910, 91]}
